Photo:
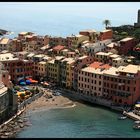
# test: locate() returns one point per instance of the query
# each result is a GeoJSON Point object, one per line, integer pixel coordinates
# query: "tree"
{"type": "Point", "coordinates": [136, 34]}
{"type": "Point", "coordinates": [106, 22]}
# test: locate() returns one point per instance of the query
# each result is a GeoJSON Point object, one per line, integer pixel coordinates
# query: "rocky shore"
{"type": "Point", "coordinates": [3, 32]}
{"type": "Point", "coordinates": [10, 130]}
{"type": "Point", "coordinates": [46, 101]}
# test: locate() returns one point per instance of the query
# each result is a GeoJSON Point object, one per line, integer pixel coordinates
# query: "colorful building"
{"type": "Point", "coordinates": [53, 69]}
{"type": "Point", "coordinates": [75, 41]}
{"type": "Point", "coordinates": [5, 44]}
{"type": "Point", "coordinates": [80, 62]}
{"type": "Point", "coordinates": [121, 85]}
{"type": "Point", "coordinates": [125, 45]}
{"type": "Point", "coordinates": [106, 34]}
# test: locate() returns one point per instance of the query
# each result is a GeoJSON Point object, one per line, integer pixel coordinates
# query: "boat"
{"type": "Point", "coordinates": [122, 117]}
{"type": "Point", "coordinates": [136, 127]}
{"type": "Point", "coordinates": [137, 122]}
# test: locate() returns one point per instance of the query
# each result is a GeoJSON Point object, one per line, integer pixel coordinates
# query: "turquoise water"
{"type": "Point", "coordinates": [82, 121]}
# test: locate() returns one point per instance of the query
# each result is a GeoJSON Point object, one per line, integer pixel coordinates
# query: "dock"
{"type": "Point", "coordinates": [132, 115]}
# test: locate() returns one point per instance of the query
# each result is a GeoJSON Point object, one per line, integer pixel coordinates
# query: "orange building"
{"type": "Point", "coordinates": [106, 34]}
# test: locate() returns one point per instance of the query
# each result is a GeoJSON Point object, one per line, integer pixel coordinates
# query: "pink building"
{"type": "Point", "coordinates": [80, 63]}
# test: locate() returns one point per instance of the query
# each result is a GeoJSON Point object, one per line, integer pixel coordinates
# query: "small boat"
{"type": "Point", "coordinates": [137, 122]}
{"type": "Point", "coordinates": [136, 127]}
{"type": "Point", "coordinates": [122, 117]}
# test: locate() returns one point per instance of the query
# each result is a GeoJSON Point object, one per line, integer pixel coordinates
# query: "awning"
{"type": "Point", "coordinates": [22, 83]}
{"type": "Point", "coordinates": [20, 78]}
{"type": "Point", "coordinates": [28, 82]}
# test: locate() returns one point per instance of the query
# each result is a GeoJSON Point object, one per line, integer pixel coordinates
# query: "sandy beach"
{"type": "Point", "coordinates": [49, 103]}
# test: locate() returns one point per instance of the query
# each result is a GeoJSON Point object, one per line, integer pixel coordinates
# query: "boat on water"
{"type": "Point", "coordinates": [122, 117]}
{"type": "Point", "coordinates": [137, 122]}
{"type": "Point", "coordinates": [136, 127]}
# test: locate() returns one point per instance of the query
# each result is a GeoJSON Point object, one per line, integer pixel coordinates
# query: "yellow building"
{"type": "Point", "coordinates": [42, 70]}
{"type": "Point", "coordinates": [65, 78]}
{"type": "Point", "coordinates": [75, 40]}
{"type": "Point", "coordinates": [53, 69]}
{"type": "Point", "coordinates": [70, 63]}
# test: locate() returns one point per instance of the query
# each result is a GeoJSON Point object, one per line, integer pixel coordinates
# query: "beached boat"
{"type": "Point", "coordinates": [122, 117]}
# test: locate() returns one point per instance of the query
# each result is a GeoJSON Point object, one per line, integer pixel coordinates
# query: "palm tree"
{"type": "Point", "coordinates": [106, 22]}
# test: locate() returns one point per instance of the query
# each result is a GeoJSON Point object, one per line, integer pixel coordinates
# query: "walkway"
{"type": "Point", "coordinates": [132, 115]}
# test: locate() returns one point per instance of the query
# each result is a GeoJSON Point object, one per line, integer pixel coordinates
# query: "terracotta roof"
{"type": "Point", "coordinates": [99, 65]}
{"type": "Point", "coordinates": [58, 48]}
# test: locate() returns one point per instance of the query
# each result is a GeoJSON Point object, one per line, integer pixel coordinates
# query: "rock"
{"type": "Point", "coordinates": [20, 121]}
{"type": "Point", "coordinates": [21, 125]}
{"type": "Point", "coordinates": [3, 136]}
{"type": "Point", "coordinates": [7, 133]}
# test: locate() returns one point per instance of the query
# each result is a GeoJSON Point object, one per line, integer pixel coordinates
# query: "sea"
{"type": "Point", "coordinates": [81, 121]}
{"type": "Point", "coordinates": [64, 19]}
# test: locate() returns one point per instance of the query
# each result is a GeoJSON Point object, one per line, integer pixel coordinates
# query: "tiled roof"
{"type": "Point", "coordinates": [58, 48]}
{"type": "Point", "coordinates": [99, 65]}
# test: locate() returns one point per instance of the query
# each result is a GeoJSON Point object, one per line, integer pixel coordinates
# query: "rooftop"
{"type": "Point", "coordinates": [30, 55]}
{"type": "Point", "coordinates": [93, 70]}
{"type": "Point", "coordinates": [82, 57]}
{"type": "Point", "coordinates": [105, 31]}
{"type": "Point", "coordinates": [39, 55]}
{"type": "Point", "coordinates": [130, 68]}
{"type": "Point", "coordinates": [118, 58]}
{"type": "Point", "coordinates": [42, 62]}
{"type": "Point", "coordinates": [69, 60]}
{"type": "Point", "coordinates": [112, 71]}
{"type": "Point", "coordinates": [4, 41]}
{"type": "Point", "coordinates": [126, 39]}
{"type": "Point", "coordinates": [114, 55]}
{"type": "Point", "coordinates": [111, 45]}
{"type": "Point", "coordinates": [99, 65]}
{"type": "Point", "coordinates": [45, 47]}
{"type": "Point", "coordinates": [104, 53]}
{"type": "Point", "coordinates": [23, 33]}
{"type": "Point", "coordinates": [6, 56]}
{"type": "Point", "coordinates": [89, 30]}
{"type": "Point", "coordinates": [58, 48]}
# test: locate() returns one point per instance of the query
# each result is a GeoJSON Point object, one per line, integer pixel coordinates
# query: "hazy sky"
{"type": "Point", "coordinates": [64, 17]}
{"type": "Point", "coordinates": [116, 11]}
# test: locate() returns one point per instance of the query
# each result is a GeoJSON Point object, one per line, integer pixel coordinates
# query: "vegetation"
{"type": "Point", "coordinates": [106, 22]}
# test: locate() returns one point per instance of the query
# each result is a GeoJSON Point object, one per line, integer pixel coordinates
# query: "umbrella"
{"type": "Point", "coordinates": [138, 102]}
{"type": "Point", "coordinates": [28, 82]}
{"type": "Point", "coordinates": [22, 83]}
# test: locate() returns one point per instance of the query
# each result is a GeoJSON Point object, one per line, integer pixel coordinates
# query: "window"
{"type": "Point", "coordinates": [3, 75]}
{"type": "Point", "coordinates": [128, 88]}
{"type": "Point", "coordinates": [128, 82]}
{"type": "Point", "coordinates": [85, 79]}
{"type": "Point", "coordinates": [134, 88]}
{"type": "Point", "coordinates": [99, 82]}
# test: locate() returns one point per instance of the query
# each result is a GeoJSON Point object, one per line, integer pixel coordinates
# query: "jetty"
{"type": "Point", "coordinates": [132, 115]}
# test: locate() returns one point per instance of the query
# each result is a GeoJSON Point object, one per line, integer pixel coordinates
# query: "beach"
{"type": "Point", "coordinates": [49, 101]}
